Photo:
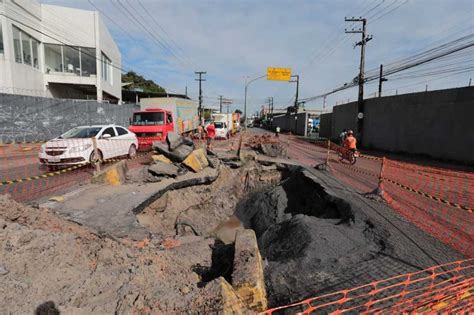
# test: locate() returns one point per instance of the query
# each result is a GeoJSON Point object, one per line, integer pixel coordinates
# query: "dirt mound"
{"type": "Point", "coordinates": [303, 230]}
{"type": "Point", "coordinates": [48, 262]}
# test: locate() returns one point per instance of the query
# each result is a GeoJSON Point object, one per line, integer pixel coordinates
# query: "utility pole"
{"type": "Point", "coordinates": [324, 101]}
{"type": "Point", "coordinates": [186, 91]}
{"type": "Point", "coordinates": [381, 80]}
{"type": "Point", "coordinates": [200, 73]}
{"type": "Point", "coordinates": [365, 39]}
{"type": "Point", "coordinates": [296, 98]}
{"type": "Point", "coordinates": [270, 110]}
{"type": "Point", "coordinates": [220, 103]}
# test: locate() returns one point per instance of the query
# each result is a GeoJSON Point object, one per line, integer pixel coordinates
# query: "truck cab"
{"type": "Point", "coordinates": [151, 124]}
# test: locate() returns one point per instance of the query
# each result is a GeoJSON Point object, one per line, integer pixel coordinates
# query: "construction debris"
{"type": "Point", "coordinates": [161, 158]}
{"type": "Point", "coordinates": [163, 169]}
{"type": "Point", "coordinates": [197, 160]}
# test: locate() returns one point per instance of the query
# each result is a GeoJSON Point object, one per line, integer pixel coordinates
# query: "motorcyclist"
{"type": "Point", "coordinates": [350, 142]}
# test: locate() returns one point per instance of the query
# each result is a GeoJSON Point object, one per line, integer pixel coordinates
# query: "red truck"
{"type": "Point", "coordinates": [158, 116]}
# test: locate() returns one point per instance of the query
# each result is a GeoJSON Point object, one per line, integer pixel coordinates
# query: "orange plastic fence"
{"type": "Point", "coordinates": [447, 288]}
{"type": "Point", "coordinates": [438, 201]}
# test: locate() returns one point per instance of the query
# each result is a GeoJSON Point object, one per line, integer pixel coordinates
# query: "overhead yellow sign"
{"type": "Point", "coordinates": [279, 74]}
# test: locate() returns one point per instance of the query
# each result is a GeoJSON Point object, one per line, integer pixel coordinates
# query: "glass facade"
{"type": "Point", "coordinates": [88, 61]}
{"type": "Point", "coordinates": [17, 45]}
{"type": "Point", "coordinates": [78, 61]}
{"type": "Point", "coordinates": [53, 58]}
{"type": "Point", "coordinates": [25, 47]}
{"type": "Point", "coordinates": [71, 60]}
{"type": "Point", "coordinates": [106, 68]}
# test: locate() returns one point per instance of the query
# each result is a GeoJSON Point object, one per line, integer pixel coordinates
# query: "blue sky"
{"type": "Point", "coordinates": [232, 40]}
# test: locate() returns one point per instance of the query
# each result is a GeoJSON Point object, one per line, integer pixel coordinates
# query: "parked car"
{"type": "Point", "coordinates": [76, 146]}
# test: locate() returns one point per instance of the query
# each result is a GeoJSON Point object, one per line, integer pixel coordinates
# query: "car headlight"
{"type": "Point", "coordinates": [80, 148]}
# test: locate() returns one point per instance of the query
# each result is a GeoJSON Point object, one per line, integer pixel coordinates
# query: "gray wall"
{"type": "Point", "coordinates": [436, 123]}
{"type": "Point", "coordinates": [287, 123]}
{"type": "Point", "coordinates": [30, 118]}
{"type": "Point", "coordinates": [325, 127]}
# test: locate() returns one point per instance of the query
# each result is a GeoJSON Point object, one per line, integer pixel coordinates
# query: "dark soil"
{"type": "Point", "coordinates": [307, 235]}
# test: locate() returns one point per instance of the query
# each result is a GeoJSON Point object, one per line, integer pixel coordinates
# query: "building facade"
{"type": "Point", "coordinates": [60, 52]}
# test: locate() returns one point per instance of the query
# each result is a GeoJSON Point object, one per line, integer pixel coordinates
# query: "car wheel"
{"type": "Point", "coordinates": [132, 152]}
{"type": "Point", "coordinates": [93, 159]}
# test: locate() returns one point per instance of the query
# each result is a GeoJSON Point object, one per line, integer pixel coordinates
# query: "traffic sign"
{"type": "Point", "coordinates": [278, 74]}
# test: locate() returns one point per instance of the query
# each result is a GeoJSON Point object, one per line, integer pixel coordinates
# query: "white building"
{"type": "Point", "coordinates": [55, 51]}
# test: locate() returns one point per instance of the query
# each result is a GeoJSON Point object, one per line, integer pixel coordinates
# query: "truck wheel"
{"type": "Point", "coordinates": [132, 152]}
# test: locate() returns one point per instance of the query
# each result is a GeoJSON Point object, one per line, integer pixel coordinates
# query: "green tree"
{"type": "Point", "coordinates": [138, 81]}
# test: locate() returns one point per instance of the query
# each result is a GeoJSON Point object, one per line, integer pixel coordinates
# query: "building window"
{"type": "Point", "coordinates": [71, 60]}
{"type": "Point", "coordinates": [1, 38]}
{"type": "Point", "coordinates": [106, 69]}
{"type": "Point", "coordinates": [53, 58]}
{"type": "Point", "coordinates": [17, 45]}
{"type": "Point", "coordinates": [79, 61]}
{"type": "Point", "coordinates": [26, 48]}
{"type": "Point", "coordinates": [34, 47]}
{"type": "Point", "coordinates": [88, 62]}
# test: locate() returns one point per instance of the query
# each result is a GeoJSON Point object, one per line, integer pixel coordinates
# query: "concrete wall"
{"type": "Point", "coordinates": [325, 126]}
{"type": "Point", "coordinates": [28, 118]}
{"type": "Point", "coordinates": [436, 123]}
{"type": "Point", "coordinates": [287, 123]}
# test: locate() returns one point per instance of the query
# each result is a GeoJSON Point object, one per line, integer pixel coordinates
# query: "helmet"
{"type": "Point", "coordinates": [350, 132]}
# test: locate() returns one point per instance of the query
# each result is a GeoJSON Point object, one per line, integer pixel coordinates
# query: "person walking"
{"type": "Point", "coordinates": [342, 136]}
{"type": "Point", "coordinates": [277, 131]}
{"type": "Point", "coordinates": [211, 133]}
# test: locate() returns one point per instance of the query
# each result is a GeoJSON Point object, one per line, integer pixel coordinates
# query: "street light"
{"type": "Point", "coordinates": [245, 99]}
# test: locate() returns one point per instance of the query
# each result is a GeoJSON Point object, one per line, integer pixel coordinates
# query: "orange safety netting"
{"type": "Point", "coordinates": [438, 201]}
{"type": "Point", "coordinates": [447, 288]}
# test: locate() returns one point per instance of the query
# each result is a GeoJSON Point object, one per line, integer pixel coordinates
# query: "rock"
{"type": "Point", "coordinates": [185, 290]}
{"type": "Point", "coordinates": [218, 297]}
{"type": "Point", "coordinates": [161, 158]}
{"type": "Point", "coordinates": [197, 160]}
{"type": "Point", "coordinates": [174, 140]}
{"type": "Point", "coordinates": [163, 169]}
{"type": "Point", "coordinates": [57, 199]}
{"type": "Point", "coordinates": [177, 155]}
{"type": "Point", "coordinates": [247, 276]}
{"type": "Point", "coordinates": [272, 149]}
{"type": "Point", "coordinates": [115, 174]}
{"type": "Point", "coordinates": [3, 271]}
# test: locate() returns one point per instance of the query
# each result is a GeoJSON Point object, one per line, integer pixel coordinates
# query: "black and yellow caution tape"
{"type": "Point", "coordinates": [370, 157]}
{"type": "Point", "coordinates": [62, 171]}
{"type": "Point", "coordinates": [422, 193]}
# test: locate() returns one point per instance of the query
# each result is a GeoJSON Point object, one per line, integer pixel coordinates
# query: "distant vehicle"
{"type": "Point", "coordinates": [223, 124]}
{"type": "Point", "coordinates": [76, 146]}
{"type": "Point", "coordinates": [160, 115]}
{"type": "Point", "coordinates": [250, 125]}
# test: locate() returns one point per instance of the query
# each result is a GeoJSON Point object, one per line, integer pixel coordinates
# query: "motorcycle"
{"type": "Point", "coordinates": [348, 155]}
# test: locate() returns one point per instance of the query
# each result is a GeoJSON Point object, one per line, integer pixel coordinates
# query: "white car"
{"type": "Point", "coordinates": [76, 146]}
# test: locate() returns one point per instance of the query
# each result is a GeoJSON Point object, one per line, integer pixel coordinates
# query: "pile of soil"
{"type": "Point", "coordinates": [307, 236]}
{"type": "Point", "coordinates": [48, 262]}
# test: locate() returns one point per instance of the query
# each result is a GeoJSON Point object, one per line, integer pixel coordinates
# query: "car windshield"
{"type": "Point", "coordinates": [148, 118]}
{"type": "Point", "coordinates": [219, 125]}
{"type": "Point", "coordinates": [84, 132]}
